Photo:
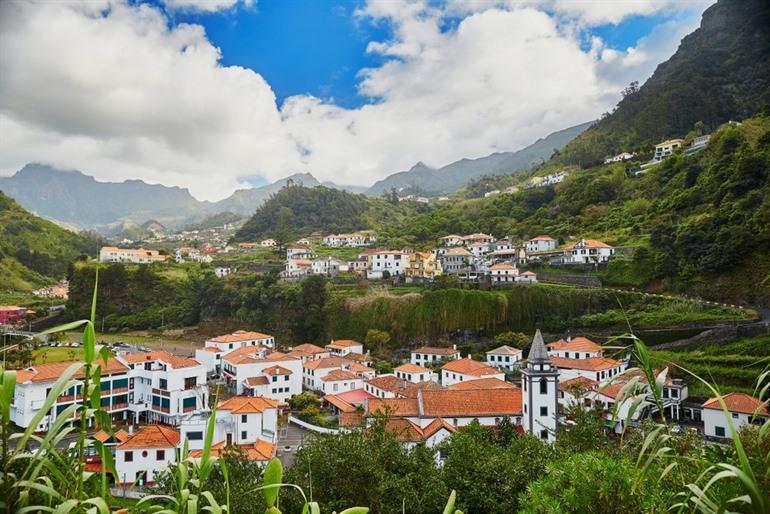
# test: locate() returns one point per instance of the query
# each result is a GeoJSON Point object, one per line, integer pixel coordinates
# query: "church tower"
{"type": "Point", "coordinates": [539, 380]}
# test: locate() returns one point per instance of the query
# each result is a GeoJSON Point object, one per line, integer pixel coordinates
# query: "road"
{"type": "Point", "coordinates": [291, 436]}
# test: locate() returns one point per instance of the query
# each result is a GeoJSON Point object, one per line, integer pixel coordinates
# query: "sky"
{"type": "Point", "coordinates": [216, 95]}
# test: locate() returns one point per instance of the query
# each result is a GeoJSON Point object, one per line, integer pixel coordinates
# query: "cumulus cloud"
{"type": "Point", "coordinates": [115, 90]}
{"type": "Point", "coordinates": [205, 5]}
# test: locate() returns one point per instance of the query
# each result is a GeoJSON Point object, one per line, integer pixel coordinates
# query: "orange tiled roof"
{"type": "Point", "coordinates": [326, 362]}
{"type": "Point", "coordinates": [412, 389]}
{"type": "Point", "coordinates": [277, 370]}
{"type": "Point", "coordinates": [577, 383]}
{"type": "Point", "coordinates": [240, 335]}
{"type": "Point", "coordinates": [174, 361]}
{"type": "Point", "coordinates": [582, 344]}
{"type": "Point", "coordinates": [502, 266]}
{"type": "Point", "coordinates": [248, 404]}
{"type": "Point", "coordinates": [247, 354]}
{"type": "Point", "coordinates": [342, 344]}
{"type": "Point", "coordinates": [449, 403]}
{"type": "Point", "coordinates": [470, 367]}
{"type": "Point", "coordinates": [482, 383]}
{"type": "Point", "coordinates": [412, 368]}
{"type": "Point", "coordinates": [52, 371]}
{"type": "Point", "coordinates": [389, 383]}
{"type": "Point", "coordinates": [120, 436]}
{"type": "Point", "coordinates": [259, 451]}
{"type": "Point", "coordinates": [339, 374]}
{"type": "Point", "coordinates": [152, 436]}
{"type": "Point", "coordinates": [404, 430]}
{"type": "Point", "coordinates": [257, 381]}
{"type": "Point", "coordinates": [589, 364]}
{"type": "Point", "coordinates": [543, 238]}
{"type": "Point", "coordinates": [436, 425]}
{"type": "Point", "coordinates": [739, 402]}
{"type": "Point", "coordinates": [589, 243]}
{"type": "Point", "coordinates": [212, 349]}
{"type": "Point", "coordinates": [308, 348]}
{"type": "Point", "coordinates": [505, 350]}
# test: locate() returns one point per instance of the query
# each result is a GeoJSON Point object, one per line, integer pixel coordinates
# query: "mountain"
{"type": "Point", "coordinates": [35, 252]}
{"type": "Point", "coordinates": [246, 201]}
{"type": "Point", "coordinates": [720, 72]}
{"type": "Point", "coordinates": [422, 179]}
{"type": "Point", "coordinates": [296, 210]}
{"type": "Point", "coordinates": [73, 198]}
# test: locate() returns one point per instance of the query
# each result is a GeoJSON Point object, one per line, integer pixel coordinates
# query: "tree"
{"type": "Point", "coordinates": [513, 339]}
{"type": "Point", "coordinates": [377, 339]}
{"type": "Point", "coordinates": [283, 227]}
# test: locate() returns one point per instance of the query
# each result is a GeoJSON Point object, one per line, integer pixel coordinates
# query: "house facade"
{"type": "Point", "coordinates": [588, 251]}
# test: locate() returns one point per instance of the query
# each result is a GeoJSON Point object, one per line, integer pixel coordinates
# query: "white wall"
{"type": "Point", "coordinates": [144, 459]}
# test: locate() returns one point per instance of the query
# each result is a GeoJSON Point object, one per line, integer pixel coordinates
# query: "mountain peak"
{"type": "Point", "coordinates": [419, 166]}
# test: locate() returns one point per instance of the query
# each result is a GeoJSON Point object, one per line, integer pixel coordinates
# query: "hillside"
{"type": "Point", "coordinates": [246, 201]}
{"type": "Point", "coordinates": [424, 180]}
{"type": "Point", "coordinates": [34, 252]}
{"type": "Point", "coordinates": [720, 72]}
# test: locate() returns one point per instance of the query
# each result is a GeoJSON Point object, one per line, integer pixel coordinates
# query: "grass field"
{"type": "Point", "coordinates": [734, 366]}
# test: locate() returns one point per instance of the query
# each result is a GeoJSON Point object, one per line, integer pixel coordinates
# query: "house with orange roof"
{"type": "Point", "coordinates": [451, 240]}
{"type": "Point", "coordinates": [282, 371]}
{"type": "Point", "coordinates": [588, 251]}
{"type": "Point", "coordinates": [215, 348]}
{"type": "Point", "coordinates": [575, 348]}
{"type": "Point", "coordinates": [481, 383]}
{"type": "Point", "coordinates": [163, 387]}
{"type": "Point", "coordinates": [542, 243]}
{"type": "Point", "coordinates": [457, 407]}
{"type": "Point", "coordinates": [504, 357]}
{"type": "Point", "coordinates": [410, 434]}
{"type": "Point", "coordinates": [595, 368]}
{"type": "Point", "coordinates": [386, 386]}
{"type": "Point", "coordinates": [240, 420]}
{"type": "Point", "coordinates": [314, 371]}
{"type": "Point", "coordinates": [421, 267]}
{"type": "Point", "coordinates": [140, 458]}
{"type": "Point", "coordinates": [414, 373]}
{"type": "Point", "coordinates": [34, 382]}
{"type": "Point", "coordinates": [342, 347]}
{"type": "Point", "coordinates": [340, 381]}
{"type": "Point", "coordinates": [742, 408]}
{"type": "Point", "coordinates": [386, 263]}
{"type": "Point", "coordinates": [503, 273]}
{"type": "Point", "coordinates": [308, 352]}
{"type": "Point", "coordinates": [426, 355]}
{"type": "Point", "coordinates": [261, 451]}
{"type": "Point", "coordinates": [462, 370]}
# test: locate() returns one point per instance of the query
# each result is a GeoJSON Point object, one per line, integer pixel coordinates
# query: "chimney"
{"type": "Point", "coordinates": [454, 347]}
{"type": "Point", "coordinates": [130, 429]}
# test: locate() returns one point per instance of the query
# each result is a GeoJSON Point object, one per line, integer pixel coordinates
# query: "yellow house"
{"type": "Point", "coordinates": [422, 266]}
{"type": "Point", "coordinates": [666, 148]}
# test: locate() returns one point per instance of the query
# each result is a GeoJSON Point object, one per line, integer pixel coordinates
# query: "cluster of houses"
{"type": "Point", "coordinates": [474, 257]}
{"type": "Point", "coordinates": [664, 150]}
{"type": "Point", "coordinates": [164, 399]}
{"type": "Point", "coordinates": [10, 314]}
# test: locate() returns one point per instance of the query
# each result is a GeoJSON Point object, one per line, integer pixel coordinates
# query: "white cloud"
{"type": "Point", "coordinates": [205, 5]}
{"type": "Point", "coordinates": [110, 89]}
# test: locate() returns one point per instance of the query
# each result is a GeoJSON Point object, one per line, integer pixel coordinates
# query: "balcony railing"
{"type": "Point", "coordinates": [118, 406]}
{"type": "Point", "coordinates": [188, 409]}
{"type": "Point", "coordinates": [120, 390]}
{"type": "Point", "coordinates": [162, 409]}
{"type": "Point", "coordinates": [161, 392]}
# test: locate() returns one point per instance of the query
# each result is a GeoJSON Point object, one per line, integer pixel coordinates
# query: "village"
{"type": "Point", "coordinates": [160, 402]}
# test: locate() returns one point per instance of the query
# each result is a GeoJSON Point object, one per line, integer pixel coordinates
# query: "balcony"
{"type": "Point", "coordinates": [188, 409]}
{"type": "Point", "coordinates": [118, 406]}
{"type": "Point", "coordinates": [161, 392]}
{"type": "Point", "coordinates": [165, 410]}
{"type": "Point", "coordinates": [119, 390]}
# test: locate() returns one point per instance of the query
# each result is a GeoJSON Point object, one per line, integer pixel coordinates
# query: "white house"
{"type": "Point", "coordinates": [296, 268]}
{"type": "Point", "coordinates": [595, 368]}
{"type": "Point", "coordinates": [410, 434]}
{"type": "Point", "coordinates": [342, 347]}
{"type": "Point", "coordinates": [463, 370]}
{"type": "Point", "coordinates": [164, 387]}
{"type": "Point", "coordinates": [216, 348]}
{"type": "Point", "coordinates": [308, 352]}
{"type": "Point", "coordinates": [503, 273]}
{"type": "Point", "coordinates": [268, 243]}
{"type": "Point", "coordinates": [283, 372]}
{"type": "Point", "coordinates": [623, 156]}
{"type": "Point", "coordinates": [666, 149]}
{"type": "Point", "coordinates": [451, 240]}
{"type": "Point", "coordinates": [414, 373]}
{"type": "Point", "coordinates": [391, 261]}
{"type": "Point", "coordinates": [145, 454]}
{"type": "Point", "coordinates": [588, 251]}
{"type": "Point", "coordinates": [527, 277]}
{"type": "Point", "coordinates": [328, 266]}
{"type": "Point", "coordinates": [542, 243]}
{"type": "Point", "coordinates": [575, 348]}
{"type": "Point", "coordinates": [223, 271]}
{"type": "Point", "coordinates": [386, 386]}
{"type": "Point", "coordinates": [426, 355]}
{"type": "Point", "coordinates": [743, 409]}
{"type": "Point", "coordinates": [504, 357]}
{"type": "Point", "coordinates": [298, 252]}
{"type": "Point", "coordinates": [539, 381]}
{"type": "Point", "coordinates": [129, 255]}
{"type": "Point", "coordinates": [478, 249]}
{"type": "Point", "coordinates": [315, 370]}
{"type": "Point", "coordinates": [339, 381]}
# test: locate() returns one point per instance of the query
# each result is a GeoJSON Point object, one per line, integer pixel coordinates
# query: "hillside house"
{"type": "Point", "coordinates": [426, 355]}
{"type": "Point", "coordinates": [414, 373]}
{"type": "Point", "coordinates": [542, 243]}
{"type": "Point", "coordinates": [451, 240]}
{"type": "Point", "coordinates": [743, 409]}
{"type": "Point", "coordinates": [217, 347]}
{"type": "Point", "coordinates": [575, 348]}
{"type": "Point", "coordinates": [666, 149]}
{"type": "Point", "coordinates": [282, 371]}
{"type": "Point", "coordinates": [504, 358]}
{"type": "Point", "coordinates": [527, 277]}
{"type": "Point", "coordinates": [145, 454]}
{"type": "Point", "coordinates": [463, 370]}
{"type": "Point", "coordinates": [114, 254]}
{"type": "Point", "coordinates": [623, 156]}
{"type": "Point", "coordinates": [456, 260]}
{"type": "Point", "coordinates": [343, 347]}
{"type": "Point", "coordinates": [422, 266]}
{"type": "Point", "coordinates": [386, 263]}
{"type": "Point", "coordinates": [503, 273]}
{"type": "Point", "coordinates": [588, 251]}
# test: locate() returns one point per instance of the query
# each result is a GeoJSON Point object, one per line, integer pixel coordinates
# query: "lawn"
{"type": "Point", "coordinates": [154, 342]}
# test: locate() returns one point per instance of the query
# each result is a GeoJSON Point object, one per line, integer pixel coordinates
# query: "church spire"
{"type": "Point", "coordinates": [538, 352]}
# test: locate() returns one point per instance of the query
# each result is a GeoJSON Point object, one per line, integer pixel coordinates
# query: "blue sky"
{"type": "Point", "coordinates": [318, 47]}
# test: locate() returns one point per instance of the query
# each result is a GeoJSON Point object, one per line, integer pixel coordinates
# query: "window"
{"type": "Point", "coordinates": [129, 456]}
{"type": "Point", "coordinates": [543, 386]}
{"type": "Point", "coordinates": [160, 455]}
{"type": "Point", "coordinates": [195, 436]}
{"type": "Point", "coordinates": [454, 422]}
{"type": "Point", "coordinates": [543, 411]}
{"type": "Point", "coordinates": [544, 434]}
{"type": "Point", "coordinates": [735, 415]}
{"type": "Point", "coordinates": [719, 431]}
{"type": "Point", "coordinates": [286, 378]}
{"type": "Point", "coordinates": [190, 382]}
{"type": "Point", "coordinates": [243, 434]}
{"type": "Point", "coordinates": [275, 379]}
{"type": "Point", "coordinates": [163, 383]}
{"type": "Point", "coordinates": [243, 418]}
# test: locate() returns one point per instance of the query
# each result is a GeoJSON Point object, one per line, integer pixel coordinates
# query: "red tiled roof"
{"type": "Point", "coordinates": [582, 344]}
{"type": "Point", "coordinates": [589, 364]}
{"type": "Point", "coordinates": [239, 336]}
{"type": "Point", "coordinates": [277, 370]}
{"type": "Point", "coordinates": [339, 374]}
{"type": "Point", "coordinates": [470, 367]}
{"type": "Point", "coordinates": [343, 343]}
{"type": "Point", "coordinates": [257, 381]}
{"type": "Point", "coordinates": [152, 436]}
{"type": "Point", "coordinates": [589, 243]}
{"type": "Point", "coordinates": [482, 383]}
{"type": "Point", "coordinates": [175, 361]}
{"type": "Point", "coordinates": [389, 383]}
{"type": "Point", "coordinates": [248, 404]}
{"type": "Point", "coordinates": [577, 383]}
{"type": "Point", "coordinates": [308, 348]}
{"type": "Point", "coordinates": [52, 371]}
{"type": "Point", "coordinates": [259, 451]}
{"type": "Point", "coordinates": [449, 403]}
{"type": "Point", "coordinates": [434, 350]}
{"type": "Point", "coordinates": [327, 362]}
{"type": "Point", "coordinates": [739, 402]}
{"type": "Point", "coordinates": [412, 368]}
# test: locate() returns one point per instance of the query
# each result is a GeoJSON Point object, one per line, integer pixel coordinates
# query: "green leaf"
{"type": "Point", "coordinates": [356, 510]}
{"type": "Point", "coordinates": [272, 477]}
{"type": "Point", "coordinates": [450, 504]}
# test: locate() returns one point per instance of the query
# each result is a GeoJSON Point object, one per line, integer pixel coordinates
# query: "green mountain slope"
{"type": "Point", "coordinates": [720, 72]}
{"type": "Point", "coordinates": [450, 178]}
{"type": "Point", "coordinates": [34, 252]}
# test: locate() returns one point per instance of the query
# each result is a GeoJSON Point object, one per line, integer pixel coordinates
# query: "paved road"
{"type": "Point", "coordinates": [291, 436]}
